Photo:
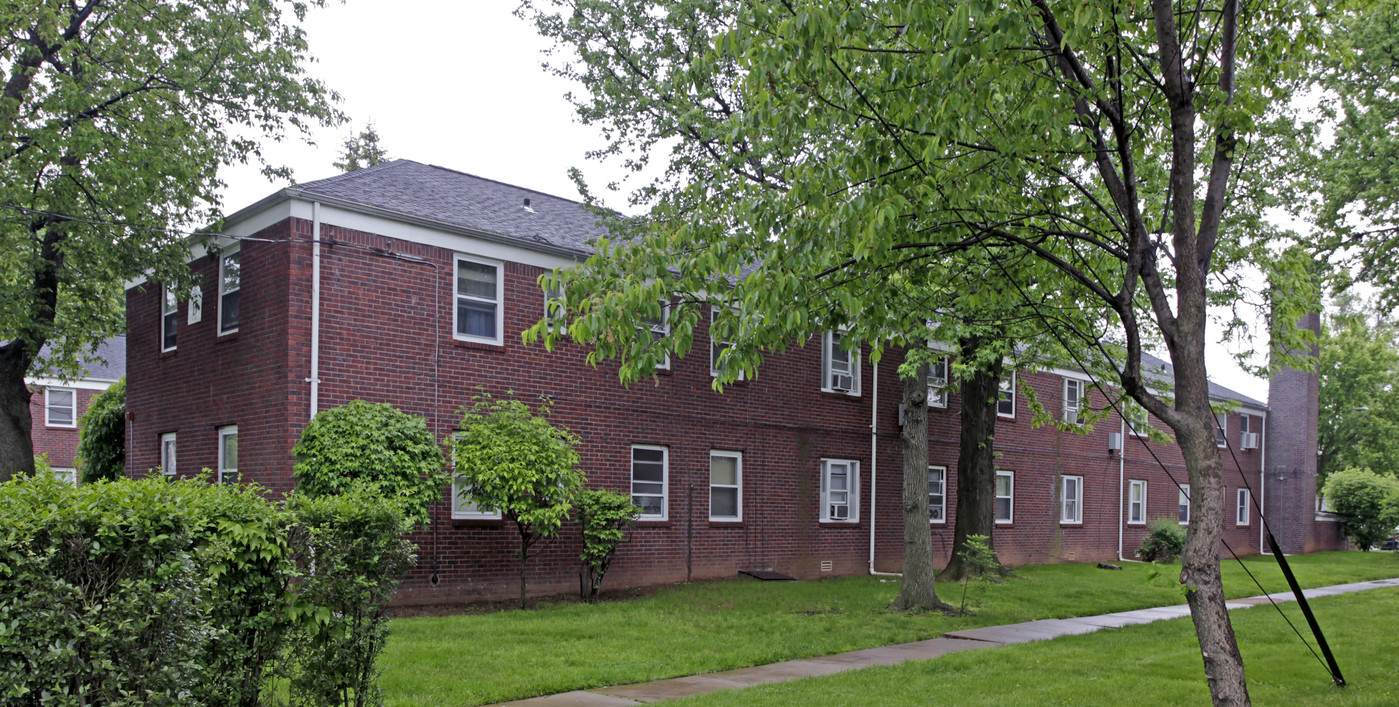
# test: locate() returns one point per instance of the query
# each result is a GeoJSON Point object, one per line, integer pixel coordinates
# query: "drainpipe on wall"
{"type": "Point", "coordinates": [315, 379]}
{"type": "Point", "coordinates": [1262, 499]}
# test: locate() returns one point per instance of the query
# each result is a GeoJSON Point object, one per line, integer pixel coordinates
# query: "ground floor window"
{"type": "Point", "coordinates": [840, 500]}
{"type": "Point", "coordinates": [937, 494]}
{"type": "Point", "coordinates": [1183, 505]}
{"type": "Point", "coordinates": [725, 486]}
{"type": "Point", "coordinates": [649, 467]}
{"type": "Point", "coordinates": [1241, 511]}
{"type": "Point", "coordinates": [228, 454]}
{"type": "Point", "coordinates": [1136, 503]}
{"type": "Point", "coordinates": [167, 454]}
{"type": "Point", "coordinates": [1071, 499]}
{"type": "Point", "coordinates": [1005, 496]}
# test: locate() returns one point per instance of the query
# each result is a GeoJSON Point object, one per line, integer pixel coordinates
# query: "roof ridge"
{"type": "Point", "coordinates": [504, 184]}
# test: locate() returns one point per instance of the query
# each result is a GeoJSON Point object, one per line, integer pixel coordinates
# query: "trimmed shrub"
{"type": "Point", "coordinates": [353, 552]}
{"type": "Point", "coordinates": [1367, 503]}
{"type": "Point", "coordinates": [102, 435]}
{"type": "Point", "coordinates": [137, 592]}
{"type": "Point", "coordinates": [1165, 540]}
{"type": "Point", "coordinates": [605, 517]}
{"type": "Point", "coordinates": [373, 443]}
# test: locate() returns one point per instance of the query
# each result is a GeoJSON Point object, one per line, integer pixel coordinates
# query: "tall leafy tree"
{"type": "Point", "coordinates": [102, 435]}
{"type": "Point", "coordinates": [1106, 141]}
{"type": "Point", "coordinates": [114, 120]}
{"type": "Point", "coordinates": [1358, 176]}
{"type": "Point", "coordinates": [1358, 424]}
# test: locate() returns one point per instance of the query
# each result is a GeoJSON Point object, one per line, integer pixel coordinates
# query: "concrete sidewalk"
{"type": "Point", "coordinates": [955, 641]}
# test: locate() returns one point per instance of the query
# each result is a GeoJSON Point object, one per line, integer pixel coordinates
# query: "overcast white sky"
{"type": "Point", "coordinates": [459, 85]}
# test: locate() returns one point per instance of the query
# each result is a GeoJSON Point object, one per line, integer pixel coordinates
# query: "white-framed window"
{"type": "Point", "coordinates": [717, 346]}
{"type": "Point", "coordinates": [1073, 400]}
{"type": "Point", "coordinates": [840, 367]}
{"type": "Point", "coordinates": [169, 315]}
{"type": "Point", "coordinates": [61, 407]}
{"type": "Point", "coordinates": [1005, 397]}
{"type": "Point", "coordinates": [650, 471]}
{"type": "Point", "coordinates": [67, 475]}
{"type": "Point", "coordinates": [1138, 424]}
{"type": "Point", "coordinates": [1221, 428]}
{"type": "Point", "coordinates": [1241, 510]}
{"type": "Point", "coordinates": [1070, 499]}
{"type": "Point", "coordinates": [725, 486]}
{"type": "Point", "coordinates": [937, 494]}
{"type": "Point", "coordinates": [840, 491]}
{"type": "Point", "coordinates": [937, 383]}
{"type": "Point", "coordinates": [1136, 502]}
{"type": "Point", "coordinates": [1183, 505]}
{"type": "Point", "coordinates": [659, 329]}
{"type": "Point", "coordinates": [556, 309]}
{"type": "Point", "coordinates": [1248, 432]}
{"type": "Point", "coordinates": [194, 308]}
{"type": "Point", "coordinates": [463, 505]}
{"type": "Point", "coordinates": [167, 454]}
{"type": "Point", "coordinates": [1005, 497]}
{"type": "Point", "coordinates": [228, 454]}
{"type": "Point", "coordinates": [479, 294]}
{"type": "Point", "coordinates": [230, 282]}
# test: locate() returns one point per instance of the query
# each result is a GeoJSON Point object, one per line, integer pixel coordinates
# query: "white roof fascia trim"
{"type": "Point", "coordinates": [85, 384]}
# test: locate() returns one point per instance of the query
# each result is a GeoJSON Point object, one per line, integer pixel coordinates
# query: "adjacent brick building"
{"type": "Point", "coordinates": [56, 405]}
{"type": "Point", "coordinates": [427, 276]}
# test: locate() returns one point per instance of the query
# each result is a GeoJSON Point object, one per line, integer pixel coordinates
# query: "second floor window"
{"type": "Point", "coordinates": [230, 283]}
{"type": "Point", "coordinates": [1073, 400]}
{"type": "Point", "coordinates": [937, 383]}
{"type": "Point", "coordinates": [840, 366]}
{"type": "Point", "coordinates": [61, 407]}
{"type": "Point", "coordinates": [1005, 400]}
{"type": "Point", "coordinates": [478, 311]}
{"type": "Point", "coordinates": [169, 314]}
{"type": "Point", "coordinates": [937, 498]}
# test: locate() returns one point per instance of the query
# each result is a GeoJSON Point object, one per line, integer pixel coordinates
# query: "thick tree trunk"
{"type": "Point", "coordinates": [1199, 562]}
{"type": "Point", "coordinates": [976, 463]}
{"type": "Point", "coordinates": [16, 446]}
{"type": "Point", "coordinates": [916, 592]}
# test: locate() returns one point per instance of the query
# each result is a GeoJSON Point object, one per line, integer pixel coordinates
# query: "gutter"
{"type": "Point", "coordinates": [1262, 499]}
{"type": "Point", "coordinates": [1122, 492]}
{"type": "Point", "coordinates": [315, 378]}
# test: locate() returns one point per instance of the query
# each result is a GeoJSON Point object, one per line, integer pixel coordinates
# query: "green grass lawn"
{"type": "Point", "coordinates": [473, 659]}
{"type": "Point", "coordinates": [1153, 664]}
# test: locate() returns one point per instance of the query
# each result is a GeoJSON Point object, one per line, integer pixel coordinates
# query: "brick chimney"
{"type": "Point", "coordinates": [1290, 439]}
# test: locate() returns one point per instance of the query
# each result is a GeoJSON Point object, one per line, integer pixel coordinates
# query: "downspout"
{"type": "Point", "coordinates": [874, 466]}
{"type": "Point", "coordinates": [315, 379]}
{"type": "Point", "coordinates": [1262, 484]}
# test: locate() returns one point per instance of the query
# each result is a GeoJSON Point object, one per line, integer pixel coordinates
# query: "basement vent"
{"type": "Point", "coordinates": [827, 565]}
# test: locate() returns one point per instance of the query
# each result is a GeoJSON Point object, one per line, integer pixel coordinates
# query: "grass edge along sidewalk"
{"type": "Point", "coordinates": [1155, 664]}
{"type": "Point", "coordinates": [724, 625]}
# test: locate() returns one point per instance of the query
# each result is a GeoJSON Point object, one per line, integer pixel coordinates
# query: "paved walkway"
{"type": "Point", "coordinates": [970, 639]}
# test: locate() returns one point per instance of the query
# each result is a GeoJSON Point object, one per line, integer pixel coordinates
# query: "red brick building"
{"type": "Point", "coordinates": [417, 294]}
{"type": "Point", "coordinates": [56, 406]}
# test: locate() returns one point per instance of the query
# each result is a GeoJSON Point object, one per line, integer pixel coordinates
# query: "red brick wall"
{"type": "Point", "coordinates": [59, 443]}
{"type": "Point", "coordinates": [210, 381]}
{"type": "Point", "coordinates": [386, 336]}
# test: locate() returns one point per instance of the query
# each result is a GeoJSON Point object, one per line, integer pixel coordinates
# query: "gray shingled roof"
{"type": "Point", "coordinates": [108, 364]}
{"type": "Point", "coordinates": [1157, 367]}
{"type": "Point", "coordinates": [464, 200]}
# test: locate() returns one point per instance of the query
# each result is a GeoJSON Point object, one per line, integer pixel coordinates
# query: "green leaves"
{"type": "Point", "coordinates": [371, 443]}
{"type": "Point", "coordinates": [102, 435]}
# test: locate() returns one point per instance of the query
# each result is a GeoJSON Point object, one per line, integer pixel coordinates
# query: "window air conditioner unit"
{"type": "Point", "coordinates": [1249, 441]}
{"type": "Point", "coordinates": [1114, 441]}
{"type": "Point", "coordinates": [840, 512]}
{"type": "Point", "coordinates": [842, 382]}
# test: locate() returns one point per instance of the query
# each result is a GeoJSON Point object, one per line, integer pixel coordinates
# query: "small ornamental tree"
{"type": "Point", "coordinates": [512, 460]}
{"type": "Point", "coordinates": [605, 517]}
{"type": "Point", "coordinates": [374, 443]}
{"type": "Point", "coordinates": [102, 435]}
{"type": "Point", "coordinates": [1367, 503]}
